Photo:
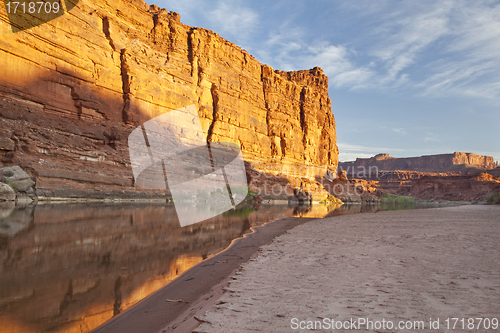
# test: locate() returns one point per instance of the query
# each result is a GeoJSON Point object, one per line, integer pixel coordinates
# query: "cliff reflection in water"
{"type": "Point", "coordinates": [70, 267]}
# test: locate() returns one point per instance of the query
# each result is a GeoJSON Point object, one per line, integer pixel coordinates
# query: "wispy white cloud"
{"type": "Point", "coordinates": [234, 18]}
{"type": "Point", "coordinates": [334, 60]}
{"type": "Point", "coordinates": [428, 48]}
{"type": "Point", "coordinates": [431, 137]}
{"type": "Point", "coordinates": [399, 130]}
{"type": "Point", "coordinates": [444, 48]}
{"type": "Point", "coordinates": [291, 50]}
{"type": "Point", "coordinates": [407, 35]}
{"type": "Point", "coordinates": [349, 152]}
{"type": "Point", "coordinates": [348, 157]}
{"type": "Point", "coordinates": [472, 65]}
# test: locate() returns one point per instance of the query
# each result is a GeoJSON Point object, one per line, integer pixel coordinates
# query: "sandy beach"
{"type": "Point", "coordinates": [413, 267]}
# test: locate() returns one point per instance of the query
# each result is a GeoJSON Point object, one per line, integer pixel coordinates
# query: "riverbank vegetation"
{"type": "Point", "coordinates": [392, 198]}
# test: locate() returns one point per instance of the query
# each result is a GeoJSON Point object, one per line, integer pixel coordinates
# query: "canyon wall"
{"type": "Point", "coordinates": [428, 163]}
{"type": "Point", "coordinates": [73, 89]}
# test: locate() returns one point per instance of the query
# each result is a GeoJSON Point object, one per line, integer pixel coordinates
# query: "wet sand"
{"type": "Point", "coordinates": [396, 266]}
{"type": "Point", "coordinates": [174, 307]}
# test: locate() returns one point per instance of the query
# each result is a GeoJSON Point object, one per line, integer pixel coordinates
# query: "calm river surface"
{"type": "Point", "coordinates": [71, 267]}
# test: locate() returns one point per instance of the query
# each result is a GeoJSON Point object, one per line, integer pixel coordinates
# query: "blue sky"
{"type": "Point", "coordinates": [407, 78]}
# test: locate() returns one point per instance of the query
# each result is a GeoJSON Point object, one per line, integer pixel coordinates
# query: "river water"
{"type": "Point", "coordinates": [70, 267]}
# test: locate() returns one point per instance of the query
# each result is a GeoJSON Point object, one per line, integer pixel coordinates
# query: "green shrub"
{"type": "Point", "coordinates": [239, 212]}
{"type": "Point", "coordinates": [252, 193]}
{"type": "Point", "coordinates": [493, 199]}
{"type": "Point", "coordinates": [391, 198]}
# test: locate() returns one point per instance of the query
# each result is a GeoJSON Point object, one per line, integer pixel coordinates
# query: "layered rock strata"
{"type": "Point", "coordinates": [73, 89]}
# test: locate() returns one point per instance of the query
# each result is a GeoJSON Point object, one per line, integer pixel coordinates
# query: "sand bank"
{"type": "Point", "coordinates": [399, 266]}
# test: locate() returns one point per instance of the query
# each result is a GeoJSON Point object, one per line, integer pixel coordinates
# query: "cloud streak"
{"type": "Point", "coordinates": [349, 152]}
{"type": "Point", "coordinates": [234, 19]}
{"type": "Point", "coordinates": [423, 48]}
{"type": "Point", "coordinates": [428, 48]}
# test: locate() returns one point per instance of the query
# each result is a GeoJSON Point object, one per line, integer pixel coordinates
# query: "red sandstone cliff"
{"type": "Point", "coordinates": [72, 90]}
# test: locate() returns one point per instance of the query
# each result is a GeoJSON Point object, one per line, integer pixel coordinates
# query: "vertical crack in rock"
{"type": "Point", "coordinates": [67, 298]}
{"type": "Point", "coordinates": [245, 60]}
{"type": "Point", "coordinates": [200, 77]}
{"type": "Point", "coordinates": [265, 87]}
{"type": "Point", "coordinates": [107, 33]}
{"type": "Point", "coordinates": [215, 109]}
{"type": "Point", "coordinates": [191, 32]}
{"type": "Point", "coordinates": [123, 70]}
{"type": "Point", "coordinates": [78, 101]}
{"type": "Point", "coordinates": [326, 144]}
{"type": "Point", "coordinates": [171, 35]}
{"type": "Point", "coordinates": [196, 71]}
{"type": "Point", "coordinates": [125, 85]}
{"type": "Point", "coordinates": [283, 146]}
{"type": "Point", "coordinates": [303, 123]}
{"type": "Point", "coordinates": [155, 24]}
{"type": "Point", "coordinates": [264, 93]}
{"type": "Point", "coordinates": [117, 306]}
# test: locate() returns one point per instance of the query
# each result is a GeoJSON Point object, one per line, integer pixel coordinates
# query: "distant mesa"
{"type": "Point", "coordinates": [453, 177]}
{"type": "Point", "coordinates": [458, 161]}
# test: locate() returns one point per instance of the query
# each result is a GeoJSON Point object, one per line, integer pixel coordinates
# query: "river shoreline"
{"type": "Point", "coordinates": [174, 307]}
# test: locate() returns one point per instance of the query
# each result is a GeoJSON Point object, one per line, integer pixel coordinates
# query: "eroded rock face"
{"type": "Point", "coordinates": [73, 89]}
{"type": "Point", "coordinates": [429, 163]}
